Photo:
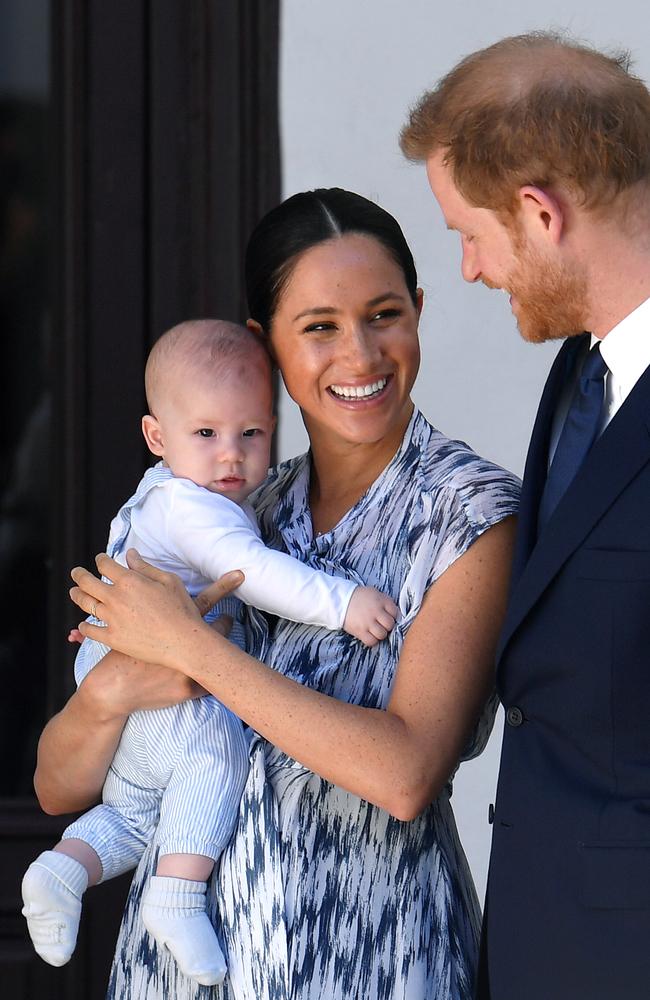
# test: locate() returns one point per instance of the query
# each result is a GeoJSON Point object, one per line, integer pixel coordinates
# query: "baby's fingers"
{"type": "Point", "coordinates": [386, 619]}
{"type": "Point", "coordinates": [379, 631]}
{"type": "Point", "coordinates": [392, 609]}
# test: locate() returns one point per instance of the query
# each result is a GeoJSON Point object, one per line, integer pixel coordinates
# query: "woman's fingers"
{"type": "Point", "coordinates": [216, 591]}
{"type": "Point", "coordinates": [135, 561]}
{"type": "Point", "coordinates": [86, 598]}
{"type": "Point", "coordinates": [90, 631]}
{"type": "Point", "coordinates": [88, 583]}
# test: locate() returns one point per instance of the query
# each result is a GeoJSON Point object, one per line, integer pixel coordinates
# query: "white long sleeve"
{"type": "Point", "coordinates": [200, 535]}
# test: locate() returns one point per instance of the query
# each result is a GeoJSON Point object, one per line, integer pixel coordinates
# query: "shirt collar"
{"type": "Point", "coordinates": [626, 348]}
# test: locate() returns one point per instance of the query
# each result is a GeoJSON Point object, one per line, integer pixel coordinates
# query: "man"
{"type": "Point", "coordinates": [538, 152]}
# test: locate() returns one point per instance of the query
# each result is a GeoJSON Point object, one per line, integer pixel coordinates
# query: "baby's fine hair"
{"type": "Point", "coordinates": [200, 347]}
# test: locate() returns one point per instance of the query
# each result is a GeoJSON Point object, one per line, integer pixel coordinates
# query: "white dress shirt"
{"type": "Point", "coordinates": [626, 352]}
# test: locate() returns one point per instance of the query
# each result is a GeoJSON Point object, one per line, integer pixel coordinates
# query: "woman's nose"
{"type": "Point", "coordinates": [362, 347]}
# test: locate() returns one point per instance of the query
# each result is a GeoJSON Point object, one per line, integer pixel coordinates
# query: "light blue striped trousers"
{"type": "Point", "coordinates": [178, 775]}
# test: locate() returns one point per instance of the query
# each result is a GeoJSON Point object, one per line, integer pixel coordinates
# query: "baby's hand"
{"type": "Point", "coordinates": [370, 615]}
{"type": "Point", "coordinates": [74, 635]}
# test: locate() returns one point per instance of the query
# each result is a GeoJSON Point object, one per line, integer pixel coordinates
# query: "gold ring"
{"type": "Point", "coordinates": [93, 610]}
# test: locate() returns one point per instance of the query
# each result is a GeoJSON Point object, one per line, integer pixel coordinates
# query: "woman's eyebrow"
{"type": "Point", "coordinates": [316, 311]}
{"type": "Point", "coordinates": [330, 310]}
{"type": "Point", "coordinates": [382, 298]}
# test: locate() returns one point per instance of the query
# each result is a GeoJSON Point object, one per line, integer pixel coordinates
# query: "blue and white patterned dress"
{"type": "Point", "coordinates": [321, 895]}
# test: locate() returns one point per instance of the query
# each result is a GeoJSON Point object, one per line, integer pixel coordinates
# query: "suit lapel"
{"type": "Point", "coordinates": [537, 458]}
{"type": "Point", "coordinates": [618, 455]}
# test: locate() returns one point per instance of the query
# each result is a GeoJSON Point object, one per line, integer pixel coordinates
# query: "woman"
{"type": "Point", "coordinates": [345, 877]}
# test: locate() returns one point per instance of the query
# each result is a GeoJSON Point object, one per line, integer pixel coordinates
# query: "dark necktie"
{"type": "Point", "coordinates": [578, 434]}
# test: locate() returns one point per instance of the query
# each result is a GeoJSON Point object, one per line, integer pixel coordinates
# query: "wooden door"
{"type": "Point", "coordinates": [138, 147]}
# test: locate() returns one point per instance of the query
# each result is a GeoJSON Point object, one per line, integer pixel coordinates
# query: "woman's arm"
{"type": "Point", "coordinates": [398, 759]}
{"type": "Point", "coordinates": [77, 745]}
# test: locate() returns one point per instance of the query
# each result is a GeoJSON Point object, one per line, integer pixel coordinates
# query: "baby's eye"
{"type": "Point", "coordinates": [251, 432]}
{"type": "Point", "coordinates": [205, 432]}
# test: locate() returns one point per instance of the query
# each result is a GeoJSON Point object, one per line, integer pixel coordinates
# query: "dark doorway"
{"type": "Point", "coordinates": [138, 147]}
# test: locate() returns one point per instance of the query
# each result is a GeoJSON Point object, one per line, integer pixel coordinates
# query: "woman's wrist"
{"type": "Point", "coordinates": [200, 643]}
{"type": "Point", "coordinates": [102, 696]}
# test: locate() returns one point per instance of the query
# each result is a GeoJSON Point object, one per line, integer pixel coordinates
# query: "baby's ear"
{"type": "Point", "coordinates": [153, 435]}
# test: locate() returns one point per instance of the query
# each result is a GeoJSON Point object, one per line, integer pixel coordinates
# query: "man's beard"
{"type": "Point", "coordinates": [551, 299]}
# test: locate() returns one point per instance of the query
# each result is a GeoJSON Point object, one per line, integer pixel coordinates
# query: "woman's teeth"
{"type": "Point", "coordinates": [359, 391]}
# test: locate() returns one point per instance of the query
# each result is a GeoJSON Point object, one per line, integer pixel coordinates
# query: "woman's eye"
{"type": "Point", "coordinates": [319, 327]}
{"type": "Point", "coordinates": [386, 314]}
{"type": "Point", "coordinates": [206, 432]}
{"type": "Point", "coordinates": [251, 432]}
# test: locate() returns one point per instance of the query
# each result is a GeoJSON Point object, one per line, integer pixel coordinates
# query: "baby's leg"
{"type": "Point", "coordinates": [197, 816]}
{"type": "Point", "coordinates": [103, 843]}
{"type": "Point", "coordinates": [52, 889]}
{"type": "Point", "coordinates": [174, 913]}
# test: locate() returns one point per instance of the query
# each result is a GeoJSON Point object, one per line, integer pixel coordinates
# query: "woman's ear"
{"type": "Point", "coordinates": [254, 327]}
{"type": "Point", "coordinates": [260, 332]}
{"type": "Point", "coordinates": [419, 301]}
{"type": "Point", "coordinates": [153, 435]}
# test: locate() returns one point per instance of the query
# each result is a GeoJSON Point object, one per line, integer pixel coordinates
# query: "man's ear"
{"type": "Point", "coordinates": [153, 435]}
{"type": "Point", "coordinates": [541, 213]}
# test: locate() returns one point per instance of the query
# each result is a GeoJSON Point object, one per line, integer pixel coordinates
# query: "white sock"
{"type": "Point", "coordinates": [173, 912]}
{"type": "Point", "coordinates": [52, 889]}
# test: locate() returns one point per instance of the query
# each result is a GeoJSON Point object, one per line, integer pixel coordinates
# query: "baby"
{"type": "Point", "coordinates": [179, 772]}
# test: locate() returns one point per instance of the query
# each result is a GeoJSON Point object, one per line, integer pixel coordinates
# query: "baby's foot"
{"type": "Point", "coordinates": [173, 912]}
{"type": "Point", "coordinates": [52, 889]}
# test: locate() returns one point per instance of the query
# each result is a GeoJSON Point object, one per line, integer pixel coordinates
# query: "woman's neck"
{"type": "Point", "coordinates": [343, 471]}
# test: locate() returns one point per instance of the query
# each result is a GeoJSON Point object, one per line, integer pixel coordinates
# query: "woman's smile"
{"type": "Point", "coordinates": [363, 392]}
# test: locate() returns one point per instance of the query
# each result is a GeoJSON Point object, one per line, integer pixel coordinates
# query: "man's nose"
{"type": "Point", "coordinates": [470, 268]}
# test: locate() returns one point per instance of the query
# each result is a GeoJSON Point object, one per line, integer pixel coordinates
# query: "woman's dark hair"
{"type": "Point", "coordinates": [303, 221]}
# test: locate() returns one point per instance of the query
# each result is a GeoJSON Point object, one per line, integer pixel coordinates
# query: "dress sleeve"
{"type": "Point", "coordinates": [214, 535]}
{"type": "Point", "coordinates": [466, 514]}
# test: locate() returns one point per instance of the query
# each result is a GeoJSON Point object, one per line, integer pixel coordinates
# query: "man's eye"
{"type": "Point", "coordinates": [206, 432]}
{"type": "Point", "coordinates": [251, 432]}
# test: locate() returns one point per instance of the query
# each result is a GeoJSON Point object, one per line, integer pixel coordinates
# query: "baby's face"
{"type": "Point", "coordinates": [219, 436]}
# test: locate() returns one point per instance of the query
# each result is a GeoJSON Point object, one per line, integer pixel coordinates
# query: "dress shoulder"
{"type": "Point", "coordinates": [483, 490]}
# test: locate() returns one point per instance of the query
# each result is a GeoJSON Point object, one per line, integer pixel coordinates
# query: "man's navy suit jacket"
{"type": "Point", "coordinates": [568, 903]}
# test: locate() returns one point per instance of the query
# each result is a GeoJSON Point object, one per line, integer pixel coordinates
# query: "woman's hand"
{"type": "Point", "coordinates": [120, 685]}
{"type": "Point", "coordinates": [148, 613]}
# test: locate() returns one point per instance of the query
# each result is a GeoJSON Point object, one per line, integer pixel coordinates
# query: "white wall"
{"type": "Point", "coordinates": [349, 71]}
